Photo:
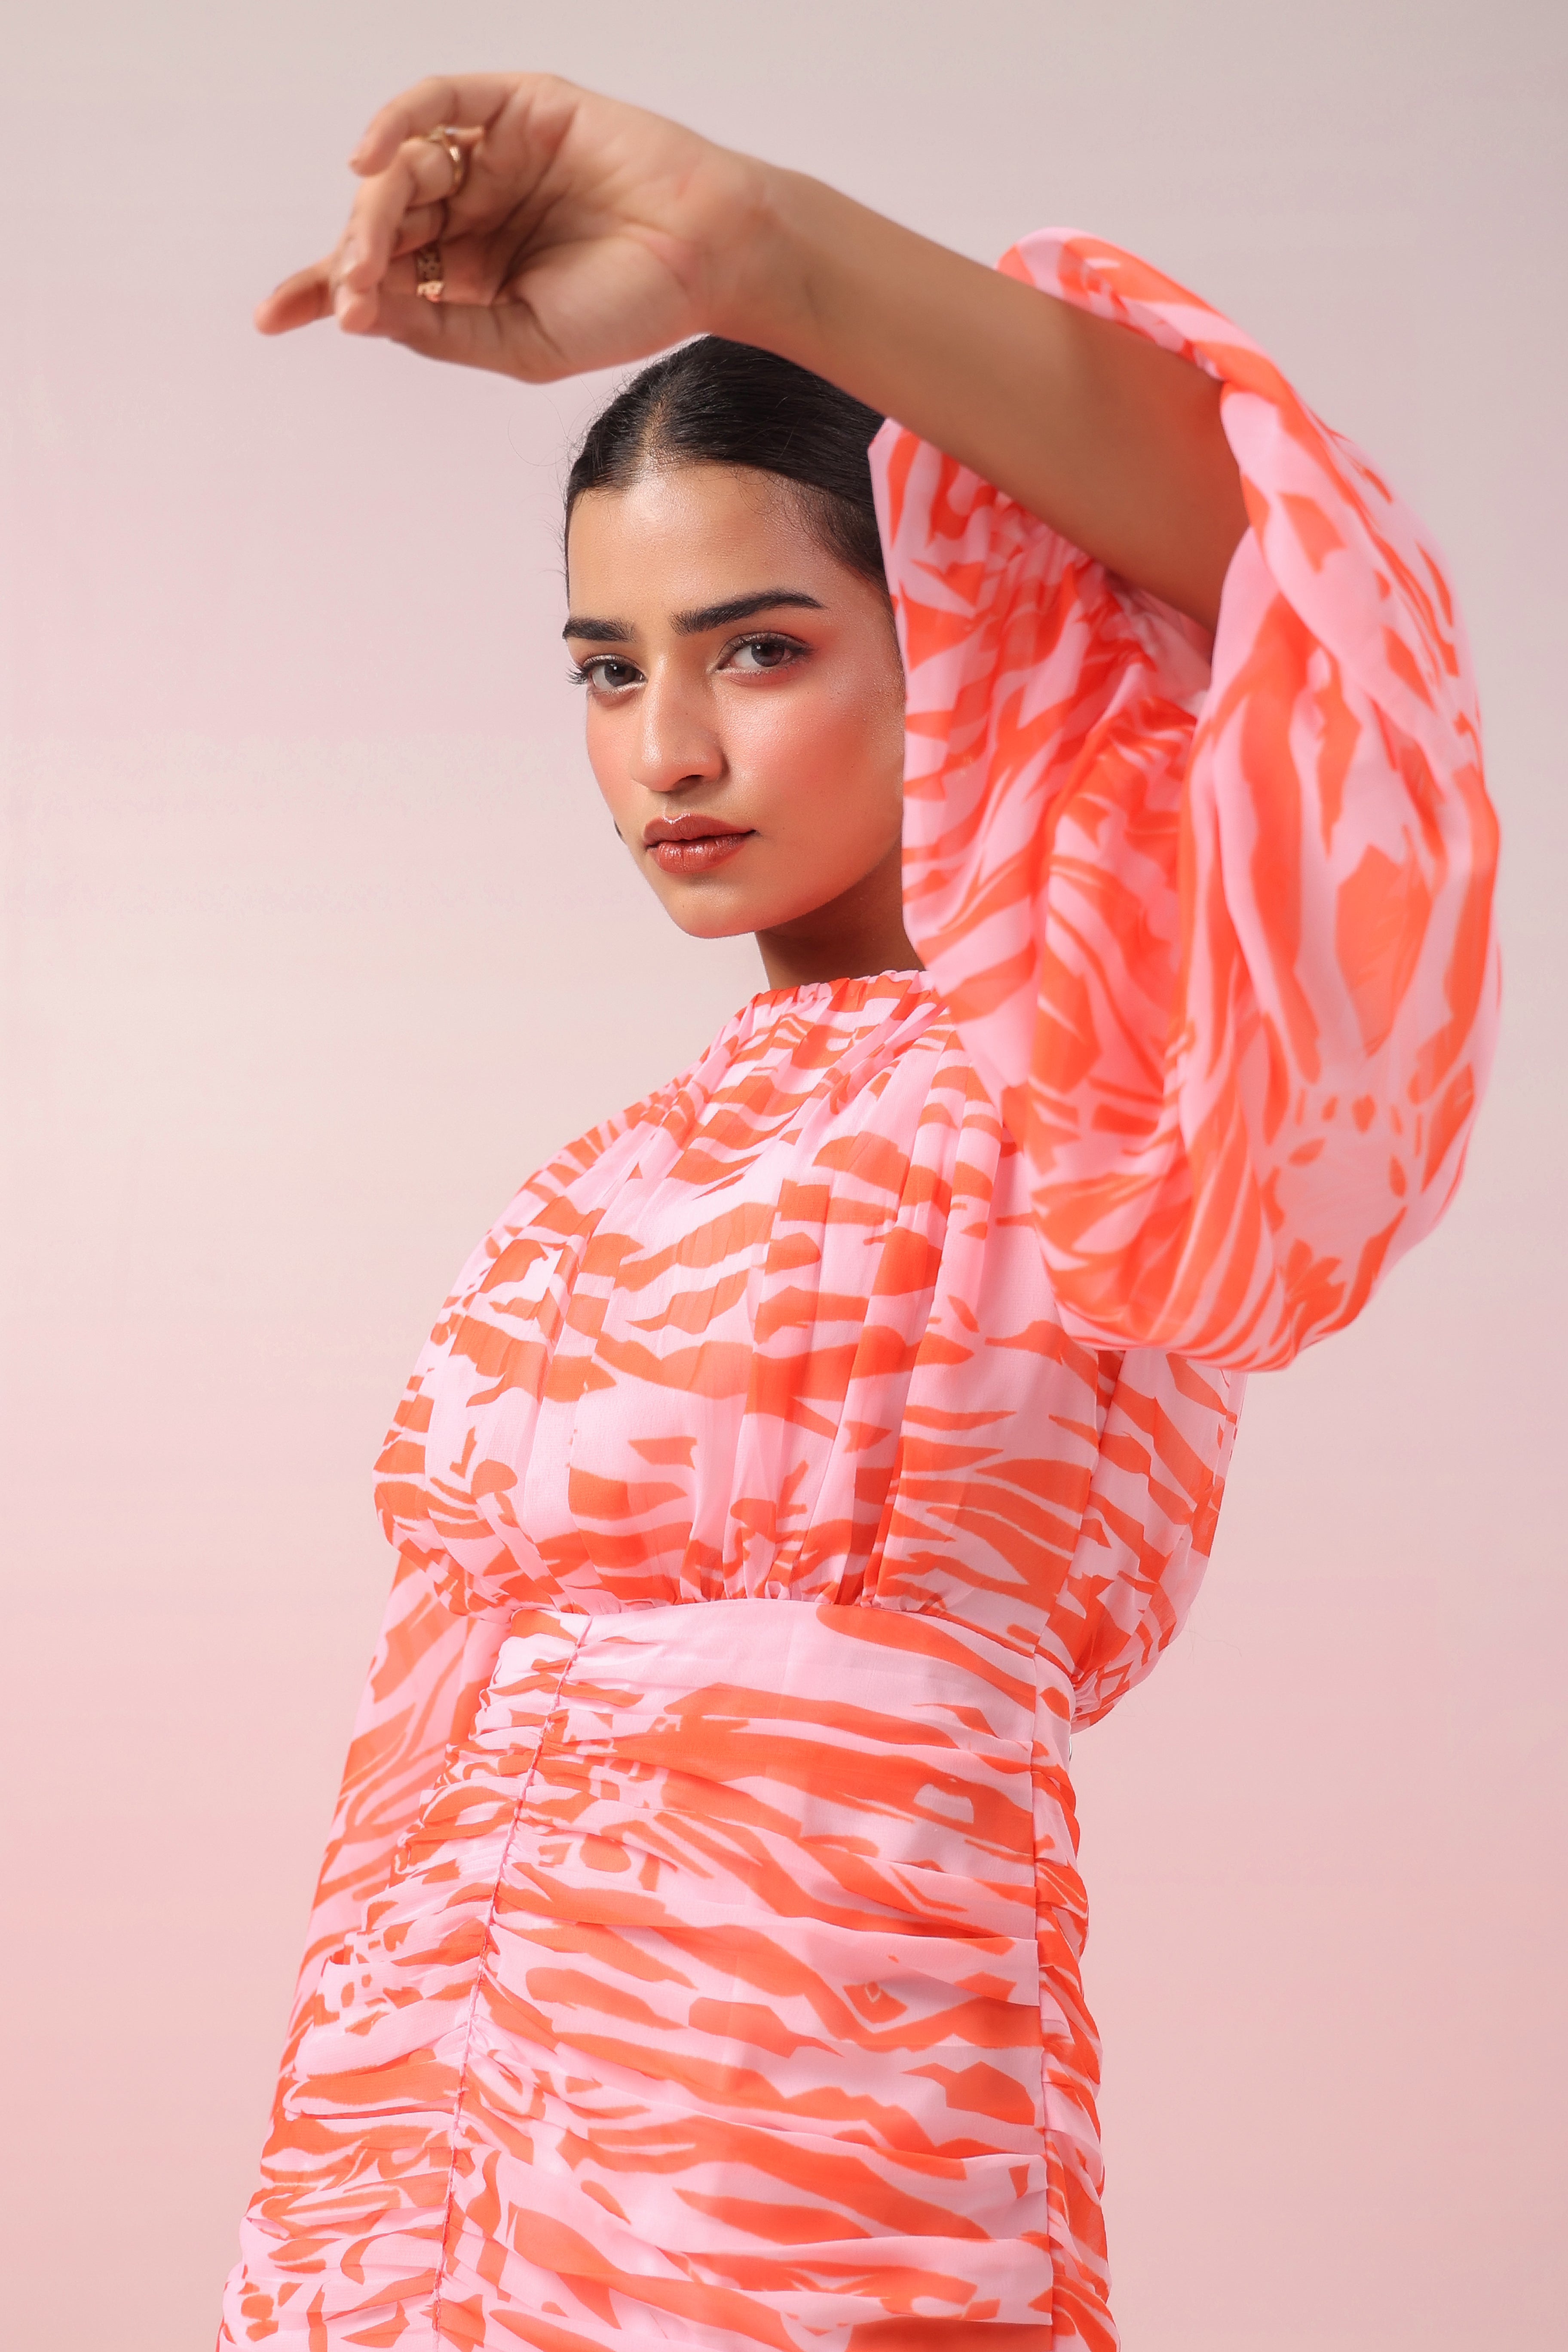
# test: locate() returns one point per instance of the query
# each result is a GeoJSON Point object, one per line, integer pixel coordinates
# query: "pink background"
{"type": "Point", "coordinates": [316, 939]}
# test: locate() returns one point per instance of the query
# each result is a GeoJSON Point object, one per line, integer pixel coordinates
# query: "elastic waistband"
{"type": "Point", "coordinates": [860, 1666]}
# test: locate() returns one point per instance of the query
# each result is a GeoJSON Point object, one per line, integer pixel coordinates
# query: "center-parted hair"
{"type": "Point", "coordinates": [715, 402]}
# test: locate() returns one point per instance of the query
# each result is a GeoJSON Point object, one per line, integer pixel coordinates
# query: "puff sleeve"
{"type": "Point", "coordinates": [1214, 922]}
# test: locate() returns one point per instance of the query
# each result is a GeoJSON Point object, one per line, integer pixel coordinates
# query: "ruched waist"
{"type": "Point", "coordinates": [725, 1993]}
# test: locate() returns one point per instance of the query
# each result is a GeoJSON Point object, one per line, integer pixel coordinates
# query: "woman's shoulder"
{"type": "Point", "coordinates": [812, 1056]}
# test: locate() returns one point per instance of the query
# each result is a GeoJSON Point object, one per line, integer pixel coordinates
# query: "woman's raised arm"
{"type": "Point", "coordinates": [588, 233]}
{"type": "Point", "coordinates": [1213, 918]}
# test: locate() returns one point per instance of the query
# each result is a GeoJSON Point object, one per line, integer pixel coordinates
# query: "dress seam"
{"type": "Point", "coordinates": [478, 1978]}
{"type": "Point", "coordinates": [1040, 1981]}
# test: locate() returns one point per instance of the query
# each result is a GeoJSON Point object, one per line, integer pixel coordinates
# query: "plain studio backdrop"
{"type": "Point", "coordinates": [316, 940]}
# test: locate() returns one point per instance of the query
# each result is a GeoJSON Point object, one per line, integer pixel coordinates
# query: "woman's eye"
{"type": "Point", "coordinates": [763, 653]}
{"type": "Point", "coordinates": [606, 673]}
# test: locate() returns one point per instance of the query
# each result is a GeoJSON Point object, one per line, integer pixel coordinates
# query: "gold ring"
{"type": "Point", "coordinates": [457, 156]}
{"type": "Point", "coordinates": [429, 273]}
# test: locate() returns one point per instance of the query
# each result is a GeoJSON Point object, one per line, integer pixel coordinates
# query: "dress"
{"type": "Point", "coordinates": [803, 1453]}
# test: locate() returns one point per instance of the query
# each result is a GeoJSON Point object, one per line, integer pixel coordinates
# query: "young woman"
{"type": "Point", "coordinates": [806, 1451]}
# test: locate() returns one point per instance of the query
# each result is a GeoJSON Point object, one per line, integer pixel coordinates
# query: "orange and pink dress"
{"type": "Point", "coordinates": [803, 1453]}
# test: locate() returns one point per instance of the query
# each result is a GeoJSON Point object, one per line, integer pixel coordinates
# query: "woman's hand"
{"type": "Point", "coordinates": [586, 235]}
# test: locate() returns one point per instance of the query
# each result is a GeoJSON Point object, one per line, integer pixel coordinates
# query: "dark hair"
{"type": "Point", "coordinates": [714, 403]}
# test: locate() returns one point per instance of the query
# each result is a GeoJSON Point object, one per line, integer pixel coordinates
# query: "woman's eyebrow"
{"type": "Point", "coordinates": [692, 623]}
{"type": "Point", "coordinates": [740, 608]}
{"type": "Point", "coordinates": [598, 633]}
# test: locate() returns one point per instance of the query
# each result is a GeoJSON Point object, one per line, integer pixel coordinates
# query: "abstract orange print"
{"type": "Point", "coordinates": [803, 1453]}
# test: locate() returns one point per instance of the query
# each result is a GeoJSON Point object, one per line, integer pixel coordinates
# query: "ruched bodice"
{"type": "Point", "coordinates": [785, 1332]}
{"type": "Point", "coordinates": [804, 1452]}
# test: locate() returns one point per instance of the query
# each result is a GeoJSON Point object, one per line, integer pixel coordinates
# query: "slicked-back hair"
{"type": "Point", "coordinates": [715, 402]}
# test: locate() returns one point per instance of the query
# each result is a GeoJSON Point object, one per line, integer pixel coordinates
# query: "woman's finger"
{"type": "Point", "coordinates": [418, 227]}
{"type": "Point", "coordinates": [463, 275]}
{"type": "Point", "coordinates": [314, 292]}
{"type": "Point", "coordinates": [504, 339]}
{"type": "Point", "coordinates": [299, 301]}
{"type": "Point", "coordinates": [465, 101]}
{"type": "Point", "coordinates": [419, 181]}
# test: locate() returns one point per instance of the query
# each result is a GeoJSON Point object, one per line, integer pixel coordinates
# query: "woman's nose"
{"type": "Point", "coordinates": [675, 743]}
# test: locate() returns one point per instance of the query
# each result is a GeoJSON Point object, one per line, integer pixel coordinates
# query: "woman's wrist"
{"type": "Point", "coordinates": [806, 271]}
{"type": "Point", "coordinates": [762, 254]}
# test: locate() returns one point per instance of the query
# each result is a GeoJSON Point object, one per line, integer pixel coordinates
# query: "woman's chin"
{"type": "Point", "coordinates": [721, 907]}
{"type": "Point", "coordinates": [716, 908]}
{"type": "Point", "coordinates": [704, 916]}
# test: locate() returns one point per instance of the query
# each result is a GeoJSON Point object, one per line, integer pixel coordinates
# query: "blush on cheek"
{"type": "Point", "coordinates": [606, 749]}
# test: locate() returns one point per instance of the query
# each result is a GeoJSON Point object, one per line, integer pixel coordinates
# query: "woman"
{"type": "Point", "coordinates": [805, 1452]}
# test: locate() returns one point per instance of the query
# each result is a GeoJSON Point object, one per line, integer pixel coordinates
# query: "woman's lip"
{"type": "Point", "coordinates": [693, 843]}
{"type": "Point", "coordinates": [692, 828]}
{"type": "Point", "coordinates": [696, 853]}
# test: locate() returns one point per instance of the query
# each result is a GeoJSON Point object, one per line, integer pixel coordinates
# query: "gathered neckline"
{"type": "Point", "coordinates": [851, 991]}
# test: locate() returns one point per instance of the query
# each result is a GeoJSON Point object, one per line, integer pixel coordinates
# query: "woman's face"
{"type": "Point", "coordinates": [745, 702]}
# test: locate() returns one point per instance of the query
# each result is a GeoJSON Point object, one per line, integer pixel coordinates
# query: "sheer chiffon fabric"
{"type": "Point", "coordinates": [804, 1452]}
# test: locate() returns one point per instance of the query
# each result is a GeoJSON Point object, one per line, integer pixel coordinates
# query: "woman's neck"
{"type": "Point", "coordinates": [855, 935]}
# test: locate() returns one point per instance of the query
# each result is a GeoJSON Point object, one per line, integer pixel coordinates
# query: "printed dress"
{"type": "Point", "coordinates": [805, 1452]}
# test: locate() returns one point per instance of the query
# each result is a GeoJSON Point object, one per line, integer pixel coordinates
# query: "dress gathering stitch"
{"type": "Point", "coordinates": [807, 1450]}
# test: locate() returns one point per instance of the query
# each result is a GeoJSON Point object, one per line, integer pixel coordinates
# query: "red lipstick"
{"type": "Point", "coordinates": [693, 845]}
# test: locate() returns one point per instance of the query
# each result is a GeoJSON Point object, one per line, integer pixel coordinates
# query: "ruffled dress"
{"type": "Point", "coordinates": [805, 1452]}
